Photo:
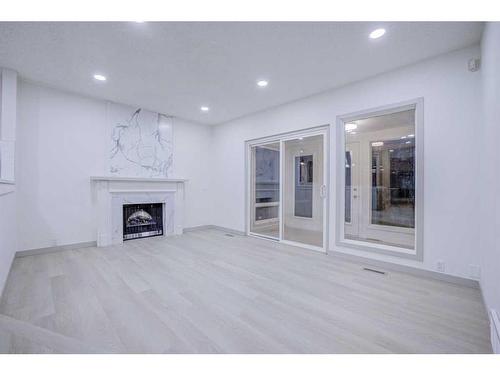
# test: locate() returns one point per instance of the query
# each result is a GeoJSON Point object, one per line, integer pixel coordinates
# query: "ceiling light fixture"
{"type": "Point", "coordinates": [99, 77]}
{"type": "Point", "coordinates": [411, 135]}
{"type": "Point", "coordinates": [350, 127]}
{"type": "Point", "coordinates": [204, 108]}
{"type": "Point", "coordinates": [375, 34]}
{"type": "Point", "coordinates": [377, 144]}
{"type": "Point", "coordinates": [262, 83]}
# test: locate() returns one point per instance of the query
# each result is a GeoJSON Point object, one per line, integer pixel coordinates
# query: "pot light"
{"type": "Point", "coordinates": [204, 108]}
{"type": "Point", "coordinates": [350, 127]}
{"type": "Point", "coordinates": [375, 34]}
{"type": "Point", "coordinates": [403, 137]}
{"type": "Point", "coordinates": [408, 142]}
{"type": "Point", "coordinates": [377, 144]}
{"type": "Point", "coordinates": [262, 83]}
{"type": "Point", "coordinates": [411, 135]}
{"type": "Point", "coordinates": [99, 77]}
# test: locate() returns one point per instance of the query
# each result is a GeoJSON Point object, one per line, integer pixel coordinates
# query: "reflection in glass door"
{"type": "Point", "coordinates": [352, 193]}
{"type": "Point", "coordinates": [265, 189]}
{"type": "Point", "coordinates": [304, 190]}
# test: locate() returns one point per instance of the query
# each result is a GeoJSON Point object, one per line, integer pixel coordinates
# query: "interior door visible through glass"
{"type": "Point", "coordinates": [303, 190]}
{"type": "Point", "coordinates": [265, 190]}
{"type": "Point", "coordinates": [381, 154]}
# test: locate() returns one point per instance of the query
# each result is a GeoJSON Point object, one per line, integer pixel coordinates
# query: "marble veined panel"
{"type": "Point", "coordinates": [141, 142]}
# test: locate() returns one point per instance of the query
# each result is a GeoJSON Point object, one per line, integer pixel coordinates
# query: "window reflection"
{"type": "Point", "coordinates": [393, 183]}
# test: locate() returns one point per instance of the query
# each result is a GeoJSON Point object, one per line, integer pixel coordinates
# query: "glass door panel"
{"type": "Point", "coordinates": [265, 190]}
{"type": "Point", "coordinates": [303, 190]}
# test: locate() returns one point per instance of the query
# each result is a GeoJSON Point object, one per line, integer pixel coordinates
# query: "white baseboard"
{"type": "Point", "coordinates": [199, 227]}
{"type": "Point", "coordinates": [408, 269]}
{"type": "Point", "coordinates": [55, 249]}
{"type": "Point", "coordinates": [495, 331]}
{"type": "Point", "coordinates": [223, 229]}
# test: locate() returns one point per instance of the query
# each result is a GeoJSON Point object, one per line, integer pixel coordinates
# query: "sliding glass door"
{"type": "Point", "coordinates": [303, 190]}
{"type": "Point", "coordinates": [287, 189]}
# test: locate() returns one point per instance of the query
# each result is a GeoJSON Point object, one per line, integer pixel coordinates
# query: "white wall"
{"type": "Point", "coordinates": [8, 243]}
{"type": "Point", "coordinates": [62, 141]}
{"type": "Point", "coordinates": [451, 121]}
{"type": "Point", "coordinates": [8, 238]}
{"type": "Point", "coordinates": [490, 161]}
{"type": "Point", "coordinates": [193, 160]}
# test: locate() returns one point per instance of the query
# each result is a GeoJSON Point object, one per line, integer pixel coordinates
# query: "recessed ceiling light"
{"type": "Point", "coordinates": [408, 142]}
{"type": "Point", "coordinates": [375, 34]}
{"type": "Point", "coordinates": [377, 144]}
{"type": "Point", "coordinates": [204, 108]}
{"type": "Point", "coordinates": [262, 83]}
{"type": "Point", "coordinates": [350, 126]}
{"type": "Point", "coordinates": [411, 135]}
{"type": "Point", "coordinates": [99, 77]}
{"type": "Point", "coordinates": [403, 137]}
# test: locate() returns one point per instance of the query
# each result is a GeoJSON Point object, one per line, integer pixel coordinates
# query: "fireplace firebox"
{"type": "Point", "coordinates": [142, 220]}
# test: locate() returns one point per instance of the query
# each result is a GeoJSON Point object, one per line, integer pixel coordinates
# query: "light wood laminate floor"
{"type": "Point", "coordinates": [205, 292]}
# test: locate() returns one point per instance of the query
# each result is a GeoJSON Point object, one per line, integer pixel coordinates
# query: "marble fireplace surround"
{"type": "Point", "coordinates": [109, 194]}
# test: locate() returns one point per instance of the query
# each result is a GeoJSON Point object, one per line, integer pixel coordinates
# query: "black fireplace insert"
{"type": "Point", "coordinates": [142, 220]}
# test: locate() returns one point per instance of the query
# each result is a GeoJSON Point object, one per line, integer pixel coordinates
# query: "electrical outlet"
{"type": "Point", "coordinates": [440, 265]}
{"type": "Point", "coordinates": [475, 271]}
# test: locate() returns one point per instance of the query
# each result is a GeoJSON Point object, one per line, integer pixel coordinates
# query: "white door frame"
{"type": "Point", "coordinates": [323, 130]}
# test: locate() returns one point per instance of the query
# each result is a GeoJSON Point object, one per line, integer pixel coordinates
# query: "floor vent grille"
{"type": "Point", "coordinates": [373, 270]}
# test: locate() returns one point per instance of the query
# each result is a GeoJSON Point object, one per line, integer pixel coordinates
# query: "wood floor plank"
{"type": "Point", "coordinates": [205, 292]}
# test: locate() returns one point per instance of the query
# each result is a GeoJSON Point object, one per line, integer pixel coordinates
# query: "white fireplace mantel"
{"type": "Point", "coordinates": [109, 193]}
{"type": "Point", "coordinates": [140, 179]}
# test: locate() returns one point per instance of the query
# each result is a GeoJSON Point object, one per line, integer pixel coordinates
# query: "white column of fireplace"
{"type": "Point", "coordinates": [109, 194]}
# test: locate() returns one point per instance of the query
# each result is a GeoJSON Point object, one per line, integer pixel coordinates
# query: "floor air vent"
{"type": "Point", "coordinates": [373, 270]}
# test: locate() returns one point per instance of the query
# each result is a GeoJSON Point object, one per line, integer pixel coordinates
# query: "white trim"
{"type": "Point", "coordinates": [429, 274]}
{"type": "Point", "coordinates": [55, 249]}
{"type": "Point", "coordinates": [495, 331]}
{"type": "Point", "coordinates": [263, 237]}
{"type": "Point", "coordinates": [417, 254]}
{"type": "Point", "coordinates": [125, 191]}
{"type": "Point", "coordinates": [141, 179]}
{"type": "Point", "coordinates": [305, 246]}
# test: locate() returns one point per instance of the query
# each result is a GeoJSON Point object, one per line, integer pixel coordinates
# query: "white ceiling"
{"type": "Point", "coordinates": [174, 68]}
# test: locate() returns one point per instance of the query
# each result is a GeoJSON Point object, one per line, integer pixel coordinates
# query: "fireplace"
{"type": "Point", "coordinates": [142, 220]}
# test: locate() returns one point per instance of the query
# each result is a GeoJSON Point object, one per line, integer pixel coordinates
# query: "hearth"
{"type": "Point", "coordinates": [142, 220]}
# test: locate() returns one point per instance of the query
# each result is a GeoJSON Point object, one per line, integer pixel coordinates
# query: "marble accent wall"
{"type": "Point", "coordinates": [140, 142]}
